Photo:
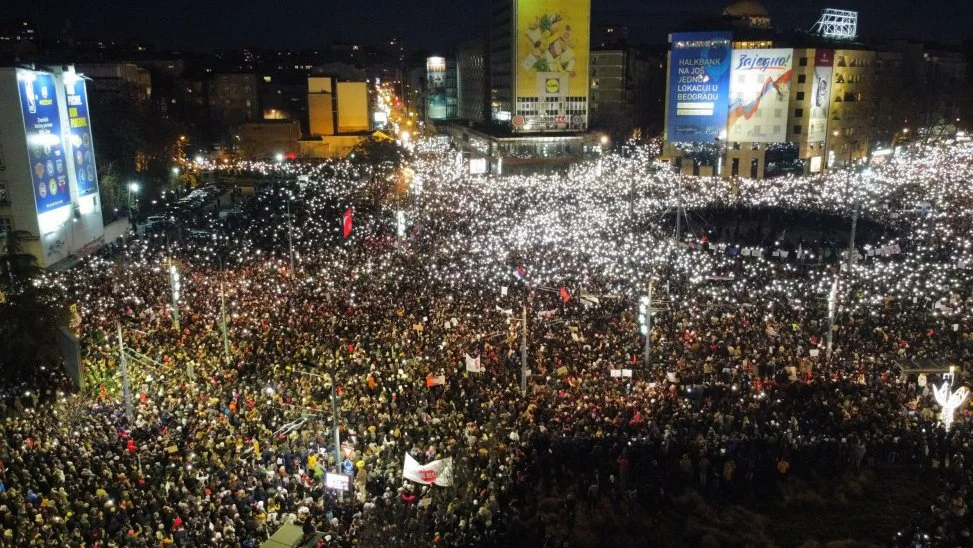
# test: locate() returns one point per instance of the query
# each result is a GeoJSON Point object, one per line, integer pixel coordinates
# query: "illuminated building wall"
{"type": "Point", "coordinates": [49, 178]}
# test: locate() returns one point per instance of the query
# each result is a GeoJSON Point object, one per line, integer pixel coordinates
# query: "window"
{"type": "Point", "coordinates": [800, 96]}
{"type": "Point", "coordinates": [4, 198]}
{"type": "Point", "coordinates": [803, 62]}
{"type": "Point", "coordinates": [801, 78]}
{"type": "Point", "coordinates": [796, 130]}
{"type": "Point", "coordinates": [799, 113]}
{"type": "Point", "coordinates": [5, 225]}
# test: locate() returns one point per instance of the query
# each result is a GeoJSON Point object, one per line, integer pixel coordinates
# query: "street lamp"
{"type": "Point", "coordinates": [132, 187]}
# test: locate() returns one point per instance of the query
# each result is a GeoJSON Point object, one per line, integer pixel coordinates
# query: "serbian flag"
{"type": "Point", "coordinates": [437, 472]}
{"type": "Point", "coordinates": [565, 296]}
{"type": "Point", "coordinates": [520, 274]}
{"type": "Point", "coordinates": [346, 222]}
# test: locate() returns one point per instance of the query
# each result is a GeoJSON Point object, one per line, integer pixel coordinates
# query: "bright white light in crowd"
{"type": "Point", "coordinates": [279, 157]}
{"type": "Point", "coordinates": [134, 187]}
{"type": "Point", "coordinates": [175, 171]}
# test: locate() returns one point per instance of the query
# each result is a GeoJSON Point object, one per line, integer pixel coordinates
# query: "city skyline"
{"type": "Point", "coordinates": [428, 25]}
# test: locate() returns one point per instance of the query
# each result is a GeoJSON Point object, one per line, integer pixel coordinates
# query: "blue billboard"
{"type": "Point", "coordinates": [699, 86]}
{"type": "Point", "coordinates": [45, 152]}
{"type": "Point", "coordinates": [82, 149]}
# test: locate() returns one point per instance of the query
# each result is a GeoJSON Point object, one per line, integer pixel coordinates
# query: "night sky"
{"type": "Point", "coordinates": [433, 24]}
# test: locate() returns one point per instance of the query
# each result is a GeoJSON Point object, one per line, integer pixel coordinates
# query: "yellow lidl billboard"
{"type": "Point", "coordinates": [552, 48]}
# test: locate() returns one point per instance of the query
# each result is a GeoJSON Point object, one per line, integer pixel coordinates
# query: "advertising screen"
{"type": "Point", "coordinates": [81, 147]}
{"type": "Point", "coordinates": [436, 88]}
{"type": "Point", "coordinates": [699, 82]}
{"type": "Point", "coordinates": [760, 85]}
{"type": "Point", "coordinates": [338, 482]}
{"type": "Point", "coordinates": [552, 48]}
{"type": "Point", "coordinates": [45, 152]}
{"type": "Point", "coordinates": [817, 129]}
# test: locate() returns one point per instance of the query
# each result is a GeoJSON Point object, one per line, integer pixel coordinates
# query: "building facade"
{"type": "Point", "coordinates": [472, 90]}
{"type": "Point", "coordinates": [539, 57]}
{"type": "Point", "coordinates": [232, 98]}
{"type": "Point", "coordinates": [49, 176]}
{"type": "Point", "coordinates": [744, 100]}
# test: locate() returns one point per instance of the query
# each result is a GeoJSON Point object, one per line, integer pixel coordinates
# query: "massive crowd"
{"type": "Point", "coordinates": [227, 443]}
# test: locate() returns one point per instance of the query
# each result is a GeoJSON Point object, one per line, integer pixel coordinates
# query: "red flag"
{"type": "Point", "coordinates": [565, 296]}
{"type": "Point", "coordinates": [346, 222]}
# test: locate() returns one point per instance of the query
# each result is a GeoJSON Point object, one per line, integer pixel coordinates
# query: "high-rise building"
{"type": "Point", "coordinates": [472, 91]}
{"type": "Point", "coordinates": [48, 175]}
{"type": "Point", "coordinates": [746, 100]}
{"type": "Point", "coordinates": [539, 55]}
{"type": "Point", "coordinates": [440, 88]}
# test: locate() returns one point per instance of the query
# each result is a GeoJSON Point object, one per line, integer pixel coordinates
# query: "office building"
{"type": "Point", "coordinates": [338, 117]}
{"type": "Point", "coordinates": [440, 89]}
{"type": "Point", "coordinates": [48, 173]}
{"type": "Point", "coordinates": [539, 54]}
{"type": "Point", "coordinates": [232, 98]}
{"type": "Point", "coordinates": [744, 99]}
{"type": "Point", "coordinates": [472, 89]}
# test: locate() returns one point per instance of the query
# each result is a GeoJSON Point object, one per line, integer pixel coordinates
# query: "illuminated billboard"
{"type": "Point", "coordinates": [45, 152]}
{"type": "Point", "coordinates": [551, 64]}
{"type": "Point", "coordinates": [82, 149]}
{"type": "Point", "coordinates": [760, 83]}
{"type": "Point", "coordinates": [817, 129]}
{"type": "Point", "coordinates": [436, 88]}
{"type": "Point", "coordinates": [699, 82]}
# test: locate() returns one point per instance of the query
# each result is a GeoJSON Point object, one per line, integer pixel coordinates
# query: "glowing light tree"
{"type": "Point", "coordinates": [950, 401]}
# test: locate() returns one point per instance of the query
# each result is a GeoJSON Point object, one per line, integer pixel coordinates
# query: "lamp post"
{"type": "Point", "coordinates": [132, 187]}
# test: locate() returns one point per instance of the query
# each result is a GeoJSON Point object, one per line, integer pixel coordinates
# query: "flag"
{"type": "Point", "coordinates": [433, 380]}
{"type": "Point", "coordinates": [437, 472]}
{"type": "Point", "coordinates": [473, 364]}
{"type": "Point", "coordinates": [520, 274]}
{"type": "Point", "coordinates": [565, 296]}
{"type": "Point", "coordinates": [346, 222]}
{"type": "Point", "coordinates": [507, 311]}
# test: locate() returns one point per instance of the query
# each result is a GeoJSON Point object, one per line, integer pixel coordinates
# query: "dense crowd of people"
{"type": "Point", "coordinates": [232, 436]}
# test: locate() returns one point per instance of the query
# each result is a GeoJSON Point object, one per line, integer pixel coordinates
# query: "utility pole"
{"type": "Point", "coordinates": [174, 285]}
{"type": "Point", "coordinates": [290, 231]}
{"type": "Point", "coordinates": [226, 339]}
{"type": "Point", "coordinates": [678, 211]}
{"type": "Point", "coordinates": [334, 420]}
{"type": "Point", "coordinates": [126, 389]}
{"type": "Point", "coordinates": [852, 254]}
{"type": "Point", "coordinates": [523, 351]}
{"type": "Point", "coordinates": [648, 326]}
{"type": "Point", "coordinates": [832, 310]}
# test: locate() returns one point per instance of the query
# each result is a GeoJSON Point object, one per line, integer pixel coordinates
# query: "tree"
{"type": "Point", "coordinates": [113, 197]}
{"type": "Point", "coordinates": [381, 161]}
{"type": "Point", "coordinates": [30, 312]}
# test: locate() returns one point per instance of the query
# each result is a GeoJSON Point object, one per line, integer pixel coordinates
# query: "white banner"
{"type": "Point", "coordinates": [473, 364]}
{"type": "Point", "coordinates": [437, 472]}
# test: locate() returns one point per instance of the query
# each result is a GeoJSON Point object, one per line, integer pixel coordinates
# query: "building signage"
{"type": "Point", "coordinates": [699, 68]}
{"type": "Point", "coordinates": [760, 84]}
{"type": "Point", "coordinates": [436, 88]}
{"type": "Point", "coordinates": [80, 144]}
{"type": "Point", "coordinates": [817, 129]}
{"type": "Point", "coordinates": [551, 72]}
{"type": "Point", "coordinates": [45, 151]}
